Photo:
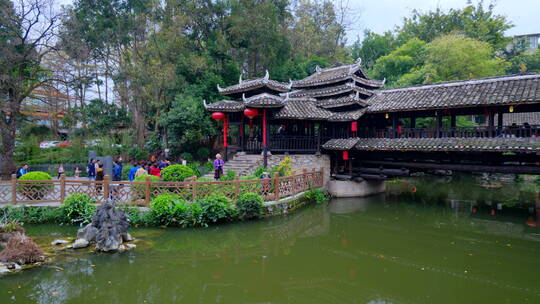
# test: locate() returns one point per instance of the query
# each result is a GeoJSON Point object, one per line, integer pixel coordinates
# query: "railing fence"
{"type": "Point", "coordinates": [141, 193]}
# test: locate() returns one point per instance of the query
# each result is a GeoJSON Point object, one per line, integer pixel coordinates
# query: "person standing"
{"type": "Point", "coordinates": [77, 172]}
{"type": "Point", "coordinates": [91, 170]}
{"type": "Point", "coordinates": [218, 167]}
{"type": "Point", "coordinates": [140, 171]}
{"type": "Point", "coordinates": [100, 176]}
{"type": "Point", "coordinates": [61, 170]}
{"type": "Point", "coordinates": [133, 171]}
{"type": "Point", "coordinates": [154, 170]}
{"type": "Point", "coordinates": [117, 170]}
{"type": "Point", "coordinates": [22, 171]}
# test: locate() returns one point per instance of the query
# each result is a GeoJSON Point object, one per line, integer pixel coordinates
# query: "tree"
{"type": "Point", "coordinates": [28, 28]}
{"type": "Point", "coordinates": [373, 46]}
{"type": "Point", "coordinates": [474, 21]}
{"type": "Point", "coordinates": [454, 57]}
{"type": "Point", "coordinates": [400, 62]}
{"type": "Point", "coordinates": [103, 118]}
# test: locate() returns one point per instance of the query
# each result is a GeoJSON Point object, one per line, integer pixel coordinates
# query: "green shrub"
{"type": "Point", "coordinates": [259, 171]}
{"type": "Point", "coordinates": [177, 173]}
{"type": "Point", "coordinates": [209, 165]}
{"type": "Point", "coordinates": [138, 190]}
{"type": "Point", "coordinates": [228, 176]}
{"type": "Point", "coordinates": [217, 208]}
{"type": "Point", "coordinates": [249, 206]}
{"type": "Point", "coordinates": [78, 208]}
{"type": "Point", "coordinates": [317, 195]}
{"type": "Point", "coordinates": [137, 154]}
{"type": "Point", "coordinates": [35, 191]}
{"type": "Point", "coordinates": [187, 156]}
{"type": "Point", "coordinates": [166, 208]}
{"type": "Point", "coordinates": [195, 167]}
{"type": "Point", "coordinates": [32, 215]}
{"type": "Point", "coordinates": [202, 153]}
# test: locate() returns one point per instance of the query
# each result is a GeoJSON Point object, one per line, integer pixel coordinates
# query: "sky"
{"type": "Point", "coordinates": [382, 15]}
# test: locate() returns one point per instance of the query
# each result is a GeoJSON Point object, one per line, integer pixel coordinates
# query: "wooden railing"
{"type": "Point", "coordinates": [286, 143]}
{"type": "Point", "coordinates": [141, 193]}
{"type": "Point", "coordinates": [519, 131]}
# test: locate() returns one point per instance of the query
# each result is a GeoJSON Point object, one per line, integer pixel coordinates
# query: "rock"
{"type": "Point", "coordinates": [59, 242]}
{"type": "Point", "coordinates": [130, 246]}
{"type": "Point", "coordinates": [126, 237]}
{"type": "Point", "coordinates": [3, 268]}
{"type": "Point", "coordinates": [111, 224]}
{"type": "Point", "coordinates": [88, 232]}
{"type": "Point", "coordinates": [80, 243]}
{"type": "Point", "coordinates": [122, 247]}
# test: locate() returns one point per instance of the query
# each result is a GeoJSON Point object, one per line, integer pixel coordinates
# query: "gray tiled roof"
{"type": "Point", "coordinates": [341, 101]}
{"type": "Point", "coordinates": [264, 100]}
{"type": "Point", "coordinates": [302, 109]}
{"type": "Point", "coordinates": [337, 74]}
{"type": "Point", "coordinates": [331, 91]}
{"type": "Point", "coordinates": [530, 144]}
{"type": "Point", "coordinates": [503, 90]}
{"type": "Point", "coordinates": [340, 143]}
{"type": "Point", "coordinates": [247, 85]}
{"type": "Point", "coordinates": [347, 115]}
{"type": "Point", "coordinates": [225, 106]}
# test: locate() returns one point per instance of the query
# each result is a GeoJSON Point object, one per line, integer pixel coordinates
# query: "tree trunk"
{"type": "Point", "coordinates": [8, 125]}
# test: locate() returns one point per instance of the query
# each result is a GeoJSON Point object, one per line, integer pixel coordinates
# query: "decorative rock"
{"type": "Point", "coordinates": [127, 237]}
{"type": "Point", "coordinates": [88, 233]}
{"type": "Point", "coordinates": [130, 246]}
{"type": "Point", "coordinates": [59, 242]}
{"type": "Point", "coordinates": [80, 243]}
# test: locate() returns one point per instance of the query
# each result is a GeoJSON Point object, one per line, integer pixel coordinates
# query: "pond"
{"type": "Point", "coordinates": [426, 246]}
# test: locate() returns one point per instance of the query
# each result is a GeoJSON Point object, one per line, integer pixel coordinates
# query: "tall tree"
{"type": "Point", "coordinates": [28, 28]}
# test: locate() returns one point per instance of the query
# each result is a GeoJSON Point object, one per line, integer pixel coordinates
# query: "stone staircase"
{"type": "Point", "coordinates": [241, 164]}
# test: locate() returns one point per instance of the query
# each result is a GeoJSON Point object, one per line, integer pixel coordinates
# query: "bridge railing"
{"type": "Point", "coordinates": [482, 132]}
{"type": "Point", "coordinates": [141, 193]}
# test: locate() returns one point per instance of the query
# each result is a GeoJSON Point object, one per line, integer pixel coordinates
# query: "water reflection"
{"type": "Point", "coordinates": [423, 247]}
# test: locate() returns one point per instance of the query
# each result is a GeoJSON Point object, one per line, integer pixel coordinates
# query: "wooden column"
{"type": "Point", "coordinates": [453, 120]}
{"type": "Point", "coordinates": [13, 189]}
{"type": "Point", "coordinates": [500, 119]}
{"type": "Point", "coordinates": [265, 156]}
{"type": "Point", "coordinates": [413, 122]}
{"type": "Point", "coordinates": [225, 135]}
{"type": "Point", "coordinates": [62, 187]}
{"type": "Point", "coordinates": [439, 117]}
{"type": "Point", "coordinates": [394, 125]}
{"type": "Point", "coordinates": [491, 123]}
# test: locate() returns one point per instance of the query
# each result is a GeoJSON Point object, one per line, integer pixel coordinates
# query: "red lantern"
{"type": "Point", "coordinates": [218, 116]}
{"type": "Point", "coordinates": [250, 113]}
{"type": "Point", "coordinates": [354, 126]}
{"type": "Point", "coordinates": [345, 155]}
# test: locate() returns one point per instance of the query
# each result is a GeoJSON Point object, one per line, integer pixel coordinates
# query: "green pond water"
{"type": "Point", "coordinates": [439, 244]}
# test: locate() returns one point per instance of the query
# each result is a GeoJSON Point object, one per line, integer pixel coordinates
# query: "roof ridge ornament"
{"type": "Point", "coordinates": [204, 103]}
{"type": "Point", "coordinates": [289, 86]}
{"type": "Point", "coordinates": [384, 81]}
{"type": "Point", "coordinates": [286, 97]}
{"type": "Point", "coordinates": [266, 76]}
{"type": "Point", "coordinates": [317, 68]}
{"type": "Point", "coordinates": [219, 89]}
{"type": "Point", "coordinates": [244, 97]}
{"type": "Point", "coordinates": [358, 61]}
{"type": "Point", "coordinates": [357, 96]}
{"type": "Point", "coordinates": [240, 79]}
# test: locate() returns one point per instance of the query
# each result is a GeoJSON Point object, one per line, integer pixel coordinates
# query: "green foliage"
{"type": "Point", "coordinates": [137, 154]}
{"type": "Point", "coordinates": [217, 208]}
{"type": "Point", "coordinates": [202, 153]}
{"type": "Point", "coordinates": [140, 189]}
{"type": "Point", "coordinates": [32, 215]}
{"type": "Point", "coordinates": [102, 117]}
{"type": "Point", "coordinates": [259, 171]}
{"type": "Point", "coordinates": [249, 206]}
{"type": "Point", "coordinates": [284, 168]}
{"type": "Point", "coordinates": [78, 208]}
{"type": "Point", "coordinates": [177, 173]}
{"type": "Point", "coordinates": [401, 61]}
{"type": "Point", "coordinates": [35, 191]}
{"type": "Point", "coordinates": [165, 207]}
{"type": "Point", "coordinates": [317, 195]}
{"type": "Point", "coordinates": [228, 176]}
{"type": "Point", "coordinates": [373, 46]}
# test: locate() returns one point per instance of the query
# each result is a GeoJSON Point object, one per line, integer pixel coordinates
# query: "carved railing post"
{"type": "Point", "coordinates": [62, 188]}
{"type": "Point", "coordinates": [106, 190]}
{"type": "Point", "coordinates": [237, 186]}
{"type": "Point", "coordinates": [147, 191]}
{"type": "Point", "coordinates": [194, 185]}
{"type": "Point", "coordinates": [13, 189]}
{"type": "Point", "coordinates": [276, 186]}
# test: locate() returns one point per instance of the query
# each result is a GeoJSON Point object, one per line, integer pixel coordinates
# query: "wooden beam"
{"type": "Point", "coordinates": [515, 169]}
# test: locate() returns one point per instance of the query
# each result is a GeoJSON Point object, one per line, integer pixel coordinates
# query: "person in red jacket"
{"type": "Point", "coordinates": [154, 170]}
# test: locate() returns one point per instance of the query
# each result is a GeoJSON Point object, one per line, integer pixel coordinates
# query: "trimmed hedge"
{"type": "Point", "coordinates": [35, 191]}
{"type": "Point", "coordinates": [177, 173]}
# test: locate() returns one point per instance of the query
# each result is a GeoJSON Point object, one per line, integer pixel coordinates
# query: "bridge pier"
{"type": "Point", "coordinates": [364, 188]}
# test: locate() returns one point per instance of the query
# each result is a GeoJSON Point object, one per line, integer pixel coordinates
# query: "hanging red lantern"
{"type": "Point", "coordinates": [354, 126]}
{"type": "Point", "coordinates": [251, 113]}
{"type": "Point", "coordinates": [345, 155]}
{"type": "Point", "coordinates": [218, 116]}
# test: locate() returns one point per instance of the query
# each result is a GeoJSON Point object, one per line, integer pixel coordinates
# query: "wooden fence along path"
{"type": "Point", "coordinates": [141, 193]}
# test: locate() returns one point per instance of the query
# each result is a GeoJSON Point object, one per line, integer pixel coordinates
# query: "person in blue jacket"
{"type": "Point", "coordinates": [117, 169]}
{"type": "Point", "coordinates": [91, 169]}
{"type": "Point", "coordinates": [133, 171]}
